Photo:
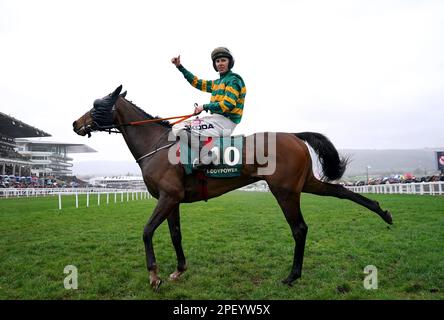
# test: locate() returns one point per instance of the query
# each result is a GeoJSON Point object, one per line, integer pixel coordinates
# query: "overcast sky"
{"type": "Point", "coordinates": [368, 74]}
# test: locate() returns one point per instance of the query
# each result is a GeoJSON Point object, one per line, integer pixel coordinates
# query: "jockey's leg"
{"type": "Point", "coordinates": [216, 125]}
{"type": "Point", "coordinates": [187, 133]}
{"type": "Point", "coordinates": [213, 126]}
{"type": "Point", "coordinates": [201, 129]}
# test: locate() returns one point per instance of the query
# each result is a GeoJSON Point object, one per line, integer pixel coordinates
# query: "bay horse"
{"type": "Point", "coordinates": [168, 183]}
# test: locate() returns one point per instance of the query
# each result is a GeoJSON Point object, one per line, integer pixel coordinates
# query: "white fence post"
{"type": "Point", "coordinates": [60, 201]}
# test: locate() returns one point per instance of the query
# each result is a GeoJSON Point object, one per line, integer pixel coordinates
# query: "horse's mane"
{"type": "Point", "coordinates": [164, 123]}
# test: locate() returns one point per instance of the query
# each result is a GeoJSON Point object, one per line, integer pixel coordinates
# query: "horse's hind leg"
{"type": "Point", "coordinates": [317, 187]}
{"type": "Point", "coordinates": [289, 201]}
{"type": "Point", "coordinates": [176, 237]}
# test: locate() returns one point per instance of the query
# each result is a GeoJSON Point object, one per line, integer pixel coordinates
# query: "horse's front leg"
{"type": "Point", "coordinates": [176, 237]}
{"type": "Point", "coordinates": [164, 208]}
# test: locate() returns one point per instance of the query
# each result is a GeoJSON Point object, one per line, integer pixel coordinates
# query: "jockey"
{"type": "Point", "coordinates": [227, 99]}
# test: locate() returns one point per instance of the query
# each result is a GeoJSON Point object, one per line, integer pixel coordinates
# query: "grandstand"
{"type": "Point", "coordinates": [11, 162]}
{"type": "Point", "coordinates": [26, 157]}
{"type": "Point", "coordinates": [50, 158]}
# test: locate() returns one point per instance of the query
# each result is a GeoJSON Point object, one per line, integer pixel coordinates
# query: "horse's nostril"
{"type": "Point", "coordinates": [74, 124]}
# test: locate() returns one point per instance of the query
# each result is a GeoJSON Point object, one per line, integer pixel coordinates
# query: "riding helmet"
{"type": "Point", "coordinates": [220, 52]}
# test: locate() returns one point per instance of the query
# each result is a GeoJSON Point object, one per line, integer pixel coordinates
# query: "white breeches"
{"type": "Point", "coordinates": [215, 125]}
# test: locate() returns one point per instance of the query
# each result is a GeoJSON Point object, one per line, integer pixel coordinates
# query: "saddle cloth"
{"type": "Point", "coordinates": [228, 163]}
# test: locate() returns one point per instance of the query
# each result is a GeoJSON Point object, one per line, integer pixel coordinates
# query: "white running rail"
{"type": "Point", "coordinates": [103, 195]}
{"type": "Point", "coordinates": [38, 192]}
{"type": "Point", "coordinates": [421, 188]}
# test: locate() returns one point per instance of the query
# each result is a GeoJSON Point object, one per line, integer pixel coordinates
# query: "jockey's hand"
{"type": "Point", "coordinates": [198, 109]}
{"type": "Point", "coordinates": [176, 61]}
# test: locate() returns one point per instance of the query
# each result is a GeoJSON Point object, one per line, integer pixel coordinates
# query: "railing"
{"type": "Point", "coordinates": [39, 192]}
{"type": "Point", "coordinates": [119, 195]}
{"type": "Point", "coordinates": [430, 188]}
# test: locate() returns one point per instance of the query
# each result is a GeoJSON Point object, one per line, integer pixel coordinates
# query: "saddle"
{"type": "Point", "coordinates": [227, 153]}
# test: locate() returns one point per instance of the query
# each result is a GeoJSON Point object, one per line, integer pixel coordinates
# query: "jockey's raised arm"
{"type": "Point", "coordinates": [227, 97]}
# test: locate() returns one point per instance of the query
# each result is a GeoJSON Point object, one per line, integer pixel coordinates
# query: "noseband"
{"type": "Point", "coordinates": [99, 116]}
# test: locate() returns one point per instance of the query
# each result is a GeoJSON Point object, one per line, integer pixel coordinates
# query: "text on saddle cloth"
{"type": "Point", "coordinates": [228, 159]}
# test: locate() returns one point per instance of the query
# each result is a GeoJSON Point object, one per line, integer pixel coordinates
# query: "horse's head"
{"type": "Point", "coordinates": [100, 116]}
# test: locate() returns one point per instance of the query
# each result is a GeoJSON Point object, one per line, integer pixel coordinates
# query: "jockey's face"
{"type": "Point", "coordinates": [222, 64]}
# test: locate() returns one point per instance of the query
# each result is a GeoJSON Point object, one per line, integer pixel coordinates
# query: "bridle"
{"type": "Point", "coordinates": [94, 126]}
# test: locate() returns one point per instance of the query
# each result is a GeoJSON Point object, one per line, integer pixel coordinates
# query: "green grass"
{"type": "Point", "coordinates": [238, 246]}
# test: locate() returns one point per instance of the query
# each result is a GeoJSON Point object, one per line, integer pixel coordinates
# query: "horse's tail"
{"type": "Point", "coordinates": [333, 166]}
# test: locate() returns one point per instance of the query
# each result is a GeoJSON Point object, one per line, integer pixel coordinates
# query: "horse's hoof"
{"type": "Point", "coordinates": [156, 285]}
{"type": "Point", "coordinates": [175, 275]}
{"type": "Point", "coordinates": [291, 278]}
{"type": "Point", "coordinates": [288, 282]}
{"type": "Point", "coordinates": [387, 217]}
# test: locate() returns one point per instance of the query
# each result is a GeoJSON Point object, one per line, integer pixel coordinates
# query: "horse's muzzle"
{"type": "Point", "coordinates": [83, 130]}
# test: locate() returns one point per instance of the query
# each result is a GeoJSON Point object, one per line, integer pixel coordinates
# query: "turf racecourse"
{"type": "Point", "coordinates": [238, 246]}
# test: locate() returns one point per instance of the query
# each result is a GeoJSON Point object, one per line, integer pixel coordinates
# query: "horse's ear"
{"type": "Point", "coordinates": [116, 92]}
{"type": "Point", "coordinates": [123, 94]}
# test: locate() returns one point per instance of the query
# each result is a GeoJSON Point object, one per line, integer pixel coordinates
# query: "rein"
{"type": "Point", "coordinates": [137, 123]}
{"type": "Point", "coordinates": [108, 128]}
{"type": "Point", "coordinates": [182, 118]}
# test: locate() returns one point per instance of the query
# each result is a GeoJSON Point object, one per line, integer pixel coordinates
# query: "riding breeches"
{"type": "Point", "coordinates": [215, 125]}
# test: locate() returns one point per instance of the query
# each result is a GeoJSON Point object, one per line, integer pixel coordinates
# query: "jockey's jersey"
{"type": "Point", "coordinates": [227, 93]}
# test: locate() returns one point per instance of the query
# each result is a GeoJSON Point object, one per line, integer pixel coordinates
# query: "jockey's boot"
{"type": "Point", "coordinates": [207, 159]}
